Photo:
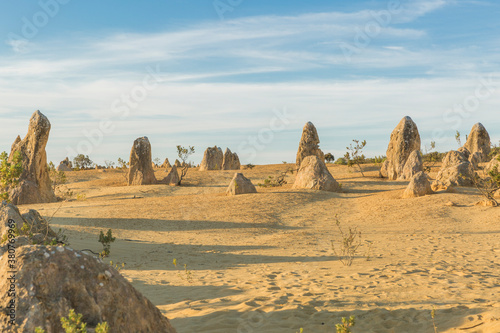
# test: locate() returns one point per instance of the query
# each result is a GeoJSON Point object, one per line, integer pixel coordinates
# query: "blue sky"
{"type": "Point", "coordinates": [246, 74]}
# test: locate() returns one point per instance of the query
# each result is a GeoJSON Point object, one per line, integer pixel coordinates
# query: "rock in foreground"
{"type": "Point", "coordinates": [50, 281]}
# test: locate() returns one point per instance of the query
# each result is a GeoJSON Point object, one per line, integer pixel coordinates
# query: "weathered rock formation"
{"type": "Point", "coordinates": [141, 171]}
{"type": "Point", "coordinates": [34, 184]}
{"type": "Point", "coordinates": [404, 140]}
{"type": "Point", "coordinates": [13, 147]}
{"type": "Point", "coordinates": [456, 170]}
{"type": "Point", "coordinates": [419, 186]}
{"type": "Point", "coordinates": [309, 144]}
{"type": "Point", "coordinates": [413, 165]}
{"type": "Point", "coordinates": [177, 163]}
{"type": "Point", "coordinates": [479, 141]}
{"type": "Point", "coordinates": [166, 164]}
{"type": "Point", "coordinates": [240, 185]}
{"type": "Point", "coordinates": [212, 159]}
{"type": "Point", "coordinates": [313, 174]}
{"type": "Point", "coordinates": [172, 177]}
{"type": "Point", "coordinates": [52, 280]}
{"type": "Point", "coordinates": [65, 165]}
{"type": "Point", "coordinates": [230, 161]}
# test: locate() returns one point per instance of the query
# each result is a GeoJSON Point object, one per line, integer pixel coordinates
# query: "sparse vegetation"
{"type": "Point", "coordinates": [109, 164]}
{"type": "Point", "coordinates": [345, 326]}
{"type": "Point", "coordinates": [123, 168]}
{"type": "Point", "coordinates": [276, 181]}
{"type": "Point", "coordinates": [82, 162]}
{"type": "Point", "coordinates": [106, 241]}
{"type": "Point", "coordinates": [184, 154]}
{"type": "Point", "coordinates": [354, 155]}
{"type": "Point", "coordinates": [57, 177]}
{"type": "Point", "coordinates": [117, 266]}
{"type": "Point", "coordinates": [329, 158]}
{"type": "Point", "coordinates": [249, 166]}
{"type": "Point", "coordinates": [9, 173]}
{"type": "Point", "coordinates": [349, 243]}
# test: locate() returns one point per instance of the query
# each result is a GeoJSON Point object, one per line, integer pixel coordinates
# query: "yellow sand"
{"type": "Point", "coordinates": [264, 262]}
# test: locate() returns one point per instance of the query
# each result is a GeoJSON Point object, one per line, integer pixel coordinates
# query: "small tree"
{"type": "Point", "coordinates": [82, 162]}
{"type": "Point", "coordinates": [184, 154]}
{"type": "Point", "coordinates": [157, 161]}
{"type": "Point", "coordinates": [9, 172]}
{"type": "Point", "coordinates": [329, 158]}
{"type": "Point", "coordinates": [355, 155]}
{"type": "Point", "coordinates": [109, 164]}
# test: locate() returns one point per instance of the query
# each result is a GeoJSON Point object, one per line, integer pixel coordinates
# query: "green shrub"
{"type": "Point", "coordinates": [10, 171]}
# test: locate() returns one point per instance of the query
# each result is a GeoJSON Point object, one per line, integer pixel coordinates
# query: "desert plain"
{"type": "Point", "coordinates": [264, 262]}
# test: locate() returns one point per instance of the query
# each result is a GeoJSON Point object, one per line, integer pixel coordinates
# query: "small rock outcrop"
{"type": "Point", "coordinates": [413, 165]}
{"type": "Point", "coordinates": [38, 230]}
{"type": "Point", "coordinates": [65, 165]}
{"type": "Point", "coordinates": [309, 144]}
{"type": "Point", "coordinates": [177, 163]}
{"type": "Point", "coordinates": [418, 187]}
{"type": "Point", "coordinates": [404, 140]}
{"type": "Point", "coordinates": [52, 280]}
{"type": "Point", "coordinates": [166, 164]}
{"type": "Point", "coordinates": [456, 170]}
{"type": "Point", "coordinates": [141, 171]}
{"type": "Point", "coordinates": [479, 141]}
{"type": "Point", "coordinates": [240, 185]}
{"type": "Point", "coordinates": [212, 159]}
{"type": "Point", "coordinates": [34, 183]}
{"type": "Point", "coordinates": [230, 161]}
{"type": "Point", "coordinates": [313, 174]}
{"type": "Point", "coordinates": [172, 177]}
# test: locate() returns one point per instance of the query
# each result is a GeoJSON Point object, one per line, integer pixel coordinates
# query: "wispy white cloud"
{"type": "Point", "coordinates": [216, 83]}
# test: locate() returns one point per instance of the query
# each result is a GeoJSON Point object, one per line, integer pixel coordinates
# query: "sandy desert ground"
{"type": "Point", "coordinates": [263, 262]}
